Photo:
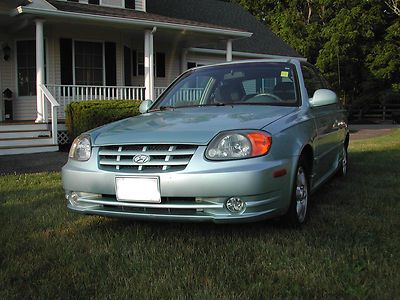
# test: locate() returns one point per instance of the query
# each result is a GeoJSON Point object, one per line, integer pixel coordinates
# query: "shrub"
{"type": "Point", "coordinates": [82, 116]}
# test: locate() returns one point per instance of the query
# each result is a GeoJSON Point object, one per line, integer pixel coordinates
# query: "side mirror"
{"type": "Point", "coordinates": [323, 97]}
{"type": "Point", "coordinates": [145, 105]}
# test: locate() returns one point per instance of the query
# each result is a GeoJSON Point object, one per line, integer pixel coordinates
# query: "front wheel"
{"type": "Point", "coordinates": [298, 211]}
{"type": "Point", "coordinates": [343, 162]}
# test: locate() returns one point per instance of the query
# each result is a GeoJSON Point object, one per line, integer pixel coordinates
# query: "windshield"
{"type": "Point", "coordinates": [271, 83]}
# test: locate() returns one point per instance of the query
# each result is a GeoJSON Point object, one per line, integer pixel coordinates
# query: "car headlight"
{"type": "Point", "coordinates": [238, 145]}
{"type": "Point", "coordinates": [81, 148]}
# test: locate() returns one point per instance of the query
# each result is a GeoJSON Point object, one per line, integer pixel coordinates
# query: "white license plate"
{"type": "Point", "coordinates": [138, 189]}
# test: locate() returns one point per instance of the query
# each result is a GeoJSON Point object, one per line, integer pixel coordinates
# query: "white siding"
{"type": "Point", "coordinates": [205, 59]}
{"type": "Point", "coordinates": [6, 69]}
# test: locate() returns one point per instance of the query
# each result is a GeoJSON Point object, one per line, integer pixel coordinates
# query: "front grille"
{"type": "Point", "coordinates": [163, 158]}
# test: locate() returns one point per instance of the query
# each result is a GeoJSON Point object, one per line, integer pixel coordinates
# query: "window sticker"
{"type": "Point", "coordinates": [284, 74]}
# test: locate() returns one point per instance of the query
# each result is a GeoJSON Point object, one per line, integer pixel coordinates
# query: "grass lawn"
{"type": "Point", "coordinates": [349, 249]}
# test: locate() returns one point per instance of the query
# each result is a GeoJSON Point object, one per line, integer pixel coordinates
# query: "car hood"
{"type": "Point", "coordinates": [194, 125]}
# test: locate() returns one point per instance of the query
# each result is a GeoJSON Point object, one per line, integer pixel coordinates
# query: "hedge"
{"type": "Point", "coordinates": [82, 116]}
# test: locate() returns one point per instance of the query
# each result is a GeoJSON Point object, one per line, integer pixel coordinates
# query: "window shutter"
{"type": "Point", "coordinates": [94, 2]}
{"type": "Point", "coordinates": [130, 4]}
{"type": "Point", "coordinates": [160, 60]}
{"type": "Point", "coordinates": [134, 63]}
{"type": "Point", "coordinates": [127, 66]}
{"type": "Point", "coordinates": [191, 65]}
{"type": "Point", "coordinates": [66, 61]}
{"type": "Point", "coordinates": [111, 63]}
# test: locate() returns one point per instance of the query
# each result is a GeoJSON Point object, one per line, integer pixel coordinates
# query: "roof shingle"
{"type": "Point", "coordinates": [99, 10]}
{"type": "Point", "coordinates": [227, 14]}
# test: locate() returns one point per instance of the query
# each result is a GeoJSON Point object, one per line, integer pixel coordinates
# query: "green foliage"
{"type": "Point", "coordinates": [82, 116]}
{"type": "Point", "coordinates": [355, 43]}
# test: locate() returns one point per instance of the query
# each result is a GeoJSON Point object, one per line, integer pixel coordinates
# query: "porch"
{"type": "Point", "coordinates": [65, 94]}
{"type": "Point", "coordinates": [53, 55]}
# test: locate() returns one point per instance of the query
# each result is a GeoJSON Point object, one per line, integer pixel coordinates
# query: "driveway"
{"type": "Point", "coordinates": [360, 132]}
{"type": "Point", "coordinates": [33, 163]}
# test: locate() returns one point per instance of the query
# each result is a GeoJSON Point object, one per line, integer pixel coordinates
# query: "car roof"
{"type": "Point", "coordinates": [250, 61]}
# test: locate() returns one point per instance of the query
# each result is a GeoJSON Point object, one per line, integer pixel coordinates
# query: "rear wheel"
{"type": "Point", "coordinates": [298, 211]}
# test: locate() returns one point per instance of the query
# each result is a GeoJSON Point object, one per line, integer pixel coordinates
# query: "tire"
{"type": "Point", "coordinates": [343, 162]}
{"type": "Point", "coordinates": [298, 211]}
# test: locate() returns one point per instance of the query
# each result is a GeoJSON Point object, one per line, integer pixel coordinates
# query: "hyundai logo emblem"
{"type": "Point", "coordinates": [141, 159]}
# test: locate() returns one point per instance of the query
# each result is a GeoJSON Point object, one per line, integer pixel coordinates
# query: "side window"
{"type": "Point", "coordinates": [312, 80]}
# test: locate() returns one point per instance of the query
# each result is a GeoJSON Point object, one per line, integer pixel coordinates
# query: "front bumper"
{"type": "Point", "coordinates": [197, 194]}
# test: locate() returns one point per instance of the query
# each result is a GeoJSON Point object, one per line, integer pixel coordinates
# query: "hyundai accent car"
{"type": "Point", "coordinates": [234, 142]}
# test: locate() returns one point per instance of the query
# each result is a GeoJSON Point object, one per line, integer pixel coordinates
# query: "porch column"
{"type": "Point", "coordinates": [229, 50]}
{"type": "Point", "coordinates": [184, 60]}
{"type": "Point", "coordinates": [41, 114]}
{"type": "Point", "coordinates": [148, 64]}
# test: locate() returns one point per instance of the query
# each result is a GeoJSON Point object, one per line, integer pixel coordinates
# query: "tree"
{"type": "Point", "coordinates": [394, 5]}
{"type": "Point", "coordinates": [354, 42]}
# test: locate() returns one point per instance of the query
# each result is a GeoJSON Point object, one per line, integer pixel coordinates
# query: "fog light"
{"type": "Point", "coordinates": [73, 198]}
{"type": "Point", "coordinates": [235, 205]}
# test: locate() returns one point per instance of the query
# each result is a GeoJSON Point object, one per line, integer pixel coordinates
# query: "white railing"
{"type": "Point", "coordinates": [158, 91]}
{"type": "Point", "coordinates": [45, 94]}
{"type": "Point", "coordinates": [183, 96]}
{"type": "Point", "coordinates": [65, 94]}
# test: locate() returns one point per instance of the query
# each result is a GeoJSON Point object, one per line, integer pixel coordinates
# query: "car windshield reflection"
{"type": "Point", "coordinates": [235, 84]}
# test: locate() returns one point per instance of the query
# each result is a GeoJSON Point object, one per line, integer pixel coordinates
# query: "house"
{"type": "Point", "coordinates": [57, 51]}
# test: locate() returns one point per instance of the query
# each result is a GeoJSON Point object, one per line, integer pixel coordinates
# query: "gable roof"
{"type": "Point", "coordinates": [225, 14]}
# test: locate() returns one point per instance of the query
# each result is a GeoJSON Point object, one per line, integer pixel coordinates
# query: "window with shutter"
{"type": "Point", "coordinates": [88, 63]}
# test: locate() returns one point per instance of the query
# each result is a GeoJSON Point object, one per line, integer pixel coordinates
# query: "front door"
{"type": "Point", "coordinates": [325, 121]}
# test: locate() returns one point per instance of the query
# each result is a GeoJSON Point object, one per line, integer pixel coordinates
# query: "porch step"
{"type": "Point", "coordinates": [24, 134]}
{"type": "Point", "coordinates": [25, 138]}
{"type": "Point", "coordinates": [23, 127]}
{"type": "Point", "coordinates": [15, 142]}
{"type": "Point", "coordinates": [28, 149]}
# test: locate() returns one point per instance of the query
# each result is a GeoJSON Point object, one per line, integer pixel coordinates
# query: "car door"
{"type": "Point", "coordinates": [325, 149]}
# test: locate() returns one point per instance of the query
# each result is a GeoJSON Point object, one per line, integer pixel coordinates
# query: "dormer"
{"type": "Point", "coordinates": [129, 4]}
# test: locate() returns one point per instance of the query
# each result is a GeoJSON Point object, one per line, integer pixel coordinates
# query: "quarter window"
{"type": "Point", "coordinates": [312, 80]}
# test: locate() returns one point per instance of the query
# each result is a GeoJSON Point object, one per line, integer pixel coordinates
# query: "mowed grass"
{"type": "Point", "coordinates": [349, 249]}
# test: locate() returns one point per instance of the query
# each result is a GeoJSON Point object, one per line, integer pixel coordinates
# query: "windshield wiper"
{"type": "Point", "coordinates": [213, 104]}
{"type": "Point", "coordinates": [162, 108]}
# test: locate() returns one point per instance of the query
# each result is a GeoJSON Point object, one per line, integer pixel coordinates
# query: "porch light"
{"type": "Point", "coordinates": [6, 52]}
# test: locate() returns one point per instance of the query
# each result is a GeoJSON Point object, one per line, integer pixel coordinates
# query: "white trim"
{"type": "Point", "coordinates": [243, 54]}
{"type": "Point", "coordinates": [229, 50]}
{"type": "Point", "coordinates": [41, 108]}
{"type": "Point", "coordinates": [124, 21]}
